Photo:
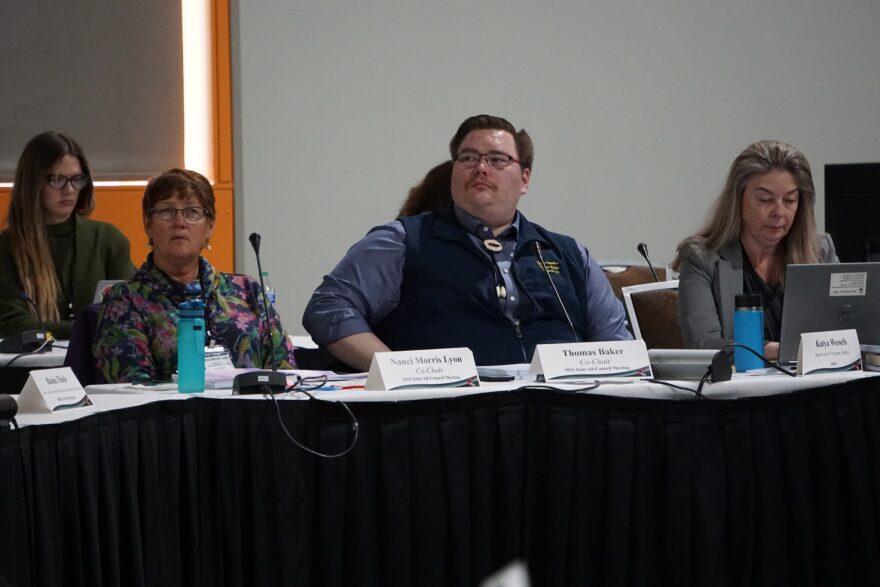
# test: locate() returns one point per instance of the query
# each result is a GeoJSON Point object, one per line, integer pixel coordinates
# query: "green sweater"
{"type": "Point", "coordinates": [99, 251]}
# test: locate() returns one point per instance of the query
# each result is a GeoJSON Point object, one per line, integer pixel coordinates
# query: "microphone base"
{"type": "Point", "coordinates": [720, 367]}
{"type": "Point", "coordinates": [25, 342]}
{"type": "Point", "coordinates": [259, 382]}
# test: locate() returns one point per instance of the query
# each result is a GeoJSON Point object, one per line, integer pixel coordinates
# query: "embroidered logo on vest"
{"type": "Point", "coordinates": [549, 266]}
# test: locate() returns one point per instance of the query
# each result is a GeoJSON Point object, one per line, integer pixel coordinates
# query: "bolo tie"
{"type": "Point", "coordinates": [494, 247]}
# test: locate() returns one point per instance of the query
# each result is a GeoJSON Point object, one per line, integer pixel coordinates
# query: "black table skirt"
{"type": "Point", "coordinates": [585, 489]}
{"type": "Point", "coordinates": [12, 379]}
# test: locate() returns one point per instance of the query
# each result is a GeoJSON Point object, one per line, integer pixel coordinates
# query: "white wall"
{"type": "Point", "coordinates": [636, 109]}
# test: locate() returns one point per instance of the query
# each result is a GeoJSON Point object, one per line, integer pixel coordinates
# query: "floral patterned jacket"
{"type": "Point", "coordinates": [137, 325]}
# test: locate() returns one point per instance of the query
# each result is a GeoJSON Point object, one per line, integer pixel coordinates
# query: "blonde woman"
{"type": "Point", "coordinates": [50, 251]}
{"type": "Point", "coordinates": [762, 221]}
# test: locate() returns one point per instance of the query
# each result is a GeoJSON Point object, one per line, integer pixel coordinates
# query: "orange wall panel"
{"type": "Point", "coordinates": [121, 206]}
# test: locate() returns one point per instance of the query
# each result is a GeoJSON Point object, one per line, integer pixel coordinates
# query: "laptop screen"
{"type": "Point", "coordinates": [829, 296]}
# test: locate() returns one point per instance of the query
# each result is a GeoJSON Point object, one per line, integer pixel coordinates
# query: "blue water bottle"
{"type": "Point", "coordinates": [748, 329]}
{"type": "Point", "coordinates": [191, 347]}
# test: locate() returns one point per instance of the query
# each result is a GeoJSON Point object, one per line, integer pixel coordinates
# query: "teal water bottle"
{"type": "Point", "coordinates": [191, 347]}
{"type": "Point", "coordinates": [748, 330]}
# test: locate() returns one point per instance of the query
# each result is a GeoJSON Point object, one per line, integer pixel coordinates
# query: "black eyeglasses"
{"type": "Point", "coordinates": [58, 182]}
{"type": "Point", "coordinates": [495, 160]}
{"type": "Point", "coordinates": [191, 214]}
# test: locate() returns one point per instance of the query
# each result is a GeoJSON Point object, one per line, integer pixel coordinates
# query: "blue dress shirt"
{"type": "Point", "coordinates": [365, 286]}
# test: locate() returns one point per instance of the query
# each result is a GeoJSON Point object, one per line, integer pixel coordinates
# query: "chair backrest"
{"type": "Point", "coordinates": [80, 356]}
{"type": "Point", "coordinates": [653, 314]}
{"type": "Point", "coordinates": [620, 276]}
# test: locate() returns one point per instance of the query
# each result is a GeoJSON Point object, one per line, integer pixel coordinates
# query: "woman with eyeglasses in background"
{"type": "Point", "coordinates": [137, 325]}
{"type": "Point", "coordinates": [50, 251]}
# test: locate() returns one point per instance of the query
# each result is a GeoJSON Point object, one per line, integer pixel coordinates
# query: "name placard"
{"type": "Point", "coordinates": [591, 360]}
{"type": "Point", "coordinates": [428, 368]}
{"type": "Point", "coordinates": [829, 352]}
{"type": "Point", "coordinates": [217, 357]}
{"type": "Point", "coordinates": [50, 390]}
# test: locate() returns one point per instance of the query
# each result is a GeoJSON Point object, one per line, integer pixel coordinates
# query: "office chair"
{"type": "Point", "coordinates": [625, 275]}
{"type": "Point", "coordinates": [653, 313]}
{"type": "Point", "coordinates": [80, 356]}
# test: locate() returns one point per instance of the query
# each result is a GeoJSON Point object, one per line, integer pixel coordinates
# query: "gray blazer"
{"type": "Point", "coordinates": [708, 282]}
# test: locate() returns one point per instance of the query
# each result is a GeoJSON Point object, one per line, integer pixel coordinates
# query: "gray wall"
{"type": "Point", "coordinates": [636, 108]}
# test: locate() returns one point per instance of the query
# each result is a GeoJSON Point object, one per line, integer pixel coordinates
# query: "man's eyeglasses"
{"type": "Point", "coordinates": [58, 182]}
{"type": "Point", "coordinates": [191, 214]}
{"type": "Point", "coordinates": [495, 160]}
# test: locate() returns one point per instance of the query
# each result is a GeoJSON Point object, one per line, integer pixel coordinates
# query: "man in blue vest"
{"type": "Point", "coordinates": [476, 274]}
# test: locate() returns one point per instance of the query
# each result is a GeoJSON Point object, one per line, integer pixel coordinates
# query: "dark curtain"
{"type": "Point", "coordinates": [585, 489]}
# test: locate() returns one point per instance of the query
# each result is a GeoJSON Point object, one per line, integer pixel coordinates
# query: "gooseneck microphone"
{"type": "Point", "coordinates": [556, 291]}
{"type": "Point", "coordinates": [643, 250]}
{"type": "Point", "coordinates": [29, 341]}
{"type": "Point", "coordinates": [272, 381]}
{"type": "Point", "coordinates": [255, 243]}
{"type": "Point", "coordinates": [261, 381]}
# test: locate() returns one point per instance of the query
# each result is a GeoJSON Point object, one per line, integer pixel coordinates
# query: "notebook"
{"type": "Point", "coordinates": [829, 296]}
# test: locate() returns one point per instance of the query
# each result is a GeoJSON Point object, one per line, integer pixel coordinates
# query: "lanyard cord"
{"type": "Point", "coordinates": [207, 297]}
{"type": "Point", "coordinates": [67, 286]}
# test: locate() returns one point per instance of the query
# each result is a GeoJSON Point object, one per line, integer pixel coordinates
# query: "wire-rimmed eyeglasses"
{"type": "Point", "coordinates": [191, 214]}
{"type": "Point", "coordinates": [495, 160]}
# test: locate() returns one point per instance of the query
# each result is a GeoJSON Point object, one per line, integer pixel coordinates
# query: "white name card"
{"type": "Point", "coordinates": [591, 360]}
{"type": "Point", "coordinates": [428, 368]}
{"type": "Point", "coordinates": [829, 352]}
{"type": "Point", "coordinates": [217, 357]}
{"type": "Point", "coordinates": [50, 390]}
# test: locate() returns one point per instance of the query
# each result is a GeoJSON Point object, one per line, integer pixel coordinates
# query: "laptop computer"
{"type": "Point", "coordinates": [829, 296]}
{"type": "Point", "coordinates": [102, 287]}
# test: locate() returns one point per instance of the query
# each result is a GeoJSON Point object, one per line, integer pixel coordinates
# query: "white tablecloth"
{"type": "Point", "coordinates": [115, 396]}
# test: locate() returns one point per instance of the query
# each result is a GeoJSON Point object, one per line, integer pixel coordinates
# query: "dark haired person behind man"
{"type": "Point", "coordinates": [432, 193]}
{"type": "Point", "coordinates": [469, 274]}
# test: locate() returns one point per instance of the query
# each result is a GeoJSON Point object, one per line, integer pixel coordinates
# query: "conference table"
{"type": "Point", "coordinates": [764, 481]}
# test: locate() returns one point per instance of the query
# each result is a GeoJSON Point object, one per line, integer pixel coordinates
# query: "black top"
{"type": "Point", "coordinates": [772, 297]}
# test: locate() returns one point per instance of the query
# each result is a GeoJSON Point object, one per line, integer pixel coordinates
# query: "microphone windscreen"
{"type": "Point", "coordinates": [643, 249]}
{"type": "Point", "coordinates": [255, 242]}
{"type": "Point", "coordinates": [8, 407]}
